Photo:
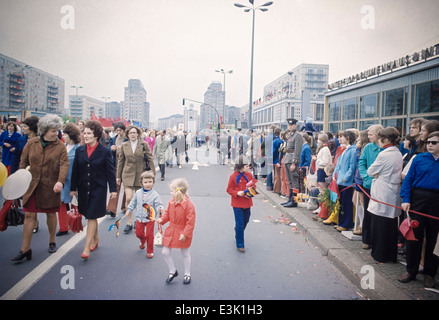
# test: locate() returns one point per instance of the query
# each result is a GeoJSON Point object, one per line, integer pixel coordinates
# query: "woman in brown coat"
{"type": "Point", "coordinates": [131, 165]}
{"type": "Point", "coordinates": [49, 164]}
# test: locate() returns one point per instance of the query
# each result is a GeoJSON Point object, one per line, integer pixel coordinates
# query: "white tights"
{"type": "Point", "coordinates": [166, 251]}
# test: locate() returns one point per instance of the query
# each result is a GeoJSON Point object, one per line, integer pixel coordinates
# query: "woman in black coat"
{"type": "Point", "coordinates": [93, 169]}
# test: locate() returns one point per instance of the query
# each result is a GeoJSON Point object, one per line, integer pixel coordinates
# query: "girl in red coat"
{"type": "Point", "coordinates": [181, 217]}
{"type": "Point", "coordinates": [240, 202]}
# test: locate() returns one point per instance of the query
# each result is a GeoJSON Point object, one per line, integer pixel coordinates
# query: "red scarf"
{"type": "Point", "coordinates": [90, 150]}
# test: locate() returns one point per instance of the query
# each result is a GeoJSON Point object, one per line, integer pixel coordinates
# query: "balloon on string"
{"type": "Point", "coordinates": [3, 174]}
{"type": "Point", "coordinates": [17, 184]}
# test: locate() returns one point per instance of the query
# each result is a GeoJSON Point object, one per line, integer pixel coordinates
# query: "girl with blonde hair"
{"type": "Point", "coordinates": [181, 217]}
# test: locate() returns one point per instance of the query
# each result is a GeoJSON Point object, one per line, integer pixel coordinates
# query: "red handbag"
{"type": "Point", "coordinates": [74, 220]}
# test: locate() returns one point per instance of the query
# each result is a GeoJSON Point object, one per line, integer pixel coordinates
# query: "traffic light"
{"type": "Point", "coordinates": [183, 101]}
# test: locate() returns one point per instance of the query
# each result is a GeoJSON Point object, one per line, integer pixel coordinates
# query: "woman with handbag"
{"type": "Point", "coordinates": [49, 164]}
{"type": "Point", "coordinates": [72, 136]}
{"type": "Point", "coordinates": [134, 157]}
{"type": "Point", "coordinates": [386, 170]}
{"type": "Point", "coordinates": [92, 171]}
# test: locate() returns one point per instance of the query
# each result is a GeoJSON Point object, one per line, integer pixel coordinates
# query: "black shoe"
{"type": "Point", "coordinates": [406, 277]}
{"type": "Point", "coordinates": [171, 276]}
{"type": "Point", "coordinates": [128, 228]}
{"type": "Point", "coordinates": [111, 214]}
{"type": "Point", "coordinates": [21, 255]}
{"type": "Point", "coordinates": [186, 279]}
{"type": "Point", "coordinates": [61, 233]}
{"type": "Point", "coordinates": [52, 247]}
{"type": "Point", "coordinates": [290, 204]}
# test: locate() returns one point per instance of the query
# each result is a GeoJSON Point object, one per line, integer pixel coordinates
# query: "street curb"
{"type": "Point", "coordinates": [342, 257]}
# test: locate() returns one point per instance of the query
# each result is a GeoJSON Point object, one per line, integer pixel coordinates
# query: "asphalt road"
{"type": "Point", "coordinates": [279, 262]}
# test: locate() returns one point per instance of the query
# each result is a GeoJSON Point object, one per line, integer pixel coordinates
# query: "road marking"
{"type": "Point", "coordinates": [21, 287]}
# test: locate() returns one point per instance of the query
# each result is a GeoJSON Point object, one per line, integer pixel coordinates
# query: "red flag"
{"type": "Point", "coordinates": [93, 116]}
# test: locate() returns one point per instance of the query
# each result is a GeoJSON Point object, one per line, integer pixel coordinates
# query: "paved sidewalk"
{"type": "Point", "coordinates": [350, 258]}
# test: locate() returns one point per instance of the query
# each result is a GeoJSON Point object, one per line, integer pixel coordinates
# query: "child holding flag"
{"type": "Point", "coordinates": [147, 203]}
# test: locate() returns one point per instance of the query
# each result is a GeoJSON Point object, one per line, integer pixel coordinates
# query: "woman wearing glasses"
{"type": "Point", "coordinates": [419, 192]}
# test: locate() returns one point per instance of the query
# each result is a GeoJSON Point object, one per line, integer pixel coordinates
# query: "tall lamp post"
{"type": "Point", "coordinates": [224, 73]}
{"type": "Point", "coordinates": [248, 9]}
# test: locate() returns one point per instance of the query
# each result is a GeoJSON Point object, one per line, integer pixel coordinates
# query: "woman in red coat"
{"type": "Point", "coordinates": [181, 217]}
{"type": "Point", "coordinates": [240, 202]}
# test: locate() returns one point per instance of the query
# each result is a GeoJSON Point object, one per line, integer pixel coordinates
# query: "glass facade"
{"type": "Point", "coordinates": [390, 102]}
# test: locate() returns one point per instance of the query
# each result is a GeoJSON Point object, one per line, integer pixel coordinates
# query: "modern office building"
{"type": "Point", "coordinates": [26, 90]}
{"type": "Point", "coordinates": [135, 107]}
{"type": "Point", "coordinates": [112, 110]}
{"type": "Point", "coordinates": [82, 106]}
{"type": "Point", "coordinates": [390, 94]}
{"type": "Point", "coordinates": [298, 94]}
{"type": "Point", "coordinates": [212, 111]}
{"type": "Point", "coordinates": [191, 123]}
{"type": "Point", "coordinates": [175, 121]}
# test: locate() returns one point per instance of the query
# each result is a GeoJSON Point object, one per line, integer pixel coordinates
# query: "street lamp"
{"type": "Point", "coordinates": [248, 9]}
{"type": "Point", "coordinates": [224, 73]}
{"type": "Point", "coordinates": [203, 103]}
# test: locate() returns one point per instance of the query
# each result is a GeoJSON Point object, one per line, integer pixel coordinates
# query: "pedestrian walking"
{"type": "Point", "coordinates": [131, 164]}
{"type": "Point", "coordinates": [147, 204]}
{"type": "Point", "coordinates": [292, 161]}
{"type": "Point", "coordinates": [161, 146]}
{"type": "Point", "coordinates": [8, 142]}
{"type": "Point", "coordinates": [386, 171]}
{"type": "Point", "coordinates": [92, 172]}
{"type": "Point", "coordinates": [419, 192]}
{"type": "Point", "coordinates": [178, 235]}
{"type": "Point", "coordinates": [49, 165]}
{"type": "Point", "coordinates": [115, 146]}
{"type": "Point", "coordinates": [72, 137]}
{"type": "Point", "coordinates": [223, 143]}
{"type": "Point", "coordinates": [241, 204]}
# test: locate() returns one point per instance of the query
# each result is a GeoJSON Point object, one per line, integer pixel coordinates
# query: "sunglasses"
{"type": "Point", "coordinates": [432, 142]}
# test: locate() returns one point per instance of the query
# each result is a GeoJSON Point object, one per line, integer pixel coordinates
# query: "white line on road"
{"type": "Point", "coordinates": [21, 287]}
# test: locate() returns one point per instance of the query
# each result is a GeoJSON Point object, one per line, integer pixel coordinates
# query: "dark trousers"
{"type": "Point", "coordinates": [423, 201]}
{"type": "Point", "coordinates": [162, 170]}
{"type": "Point", "coordinates": [242, 217]}
{"type": "Point", "coordinates": [346, 217]}
{"type": "Point", "coordinates": [365, 228]}
{"type": "Point", "coordinates": [384, 238]}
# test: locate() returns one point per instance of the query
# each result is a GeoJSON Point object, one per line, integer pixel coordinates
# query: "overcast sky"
{"type": "Point", "coordinates": [175, 46]}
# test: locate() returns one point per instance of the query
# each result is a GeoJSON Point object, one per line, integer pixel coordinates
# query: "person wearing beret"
{"type": "Point", "coordinates": [292, 161]}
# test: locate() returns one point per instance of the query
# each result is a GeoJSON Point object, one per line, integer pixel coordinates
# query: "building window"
{"type": "Point", "coordinates": [320, 109]}
{"type": "Point", "coordinates": [399, 124]}
{"type": "Point", "coordinates": [368, 106]}
{"type": "Point", "coordinates": [350, 109]}
{"type": "Point", "coordinates": [366, 124]}
{"type": "Point", "coordinates": [394, 102]}
{"type": "Point", "coordinates": [426, 97]}
{"type": "Point", "coordinates": [349, 125]}
{"type": "Point", "coordinates": [334, 127]}
{"type": "Point", "coordinates": [334, 111]}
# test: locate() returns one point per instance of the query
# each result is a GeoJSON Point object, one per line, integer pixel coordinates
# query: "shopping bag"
{"type": "Point", "coordinates": [407, 227]}
{"type": "Point", "coordinates": [158, 238]}
{"type": "Point", "coordinates": [74, 219]}
{"type": "Point", "coordinates": [3, 212]}
{"type": "Point", "coordinates": [15, 215]}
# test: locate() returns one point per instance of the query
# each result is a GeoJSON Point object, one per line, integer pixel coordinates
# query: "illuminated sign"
{"type": "Point", "coordinates": [422, 55]}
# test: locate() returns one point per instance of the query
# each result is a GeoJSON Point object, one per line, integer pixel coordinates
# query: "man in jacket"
{"type": "Point", "coordinates": [292, 161]}
{"type": "Point", "coordinates": [162, 143]}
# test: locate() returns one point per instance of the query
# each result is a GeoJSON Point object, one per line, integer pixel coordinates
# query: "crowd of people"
{"type": "Point", "coordinates": [366, 181]}
{"type": "Point", "coordinates": [84, 163]}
